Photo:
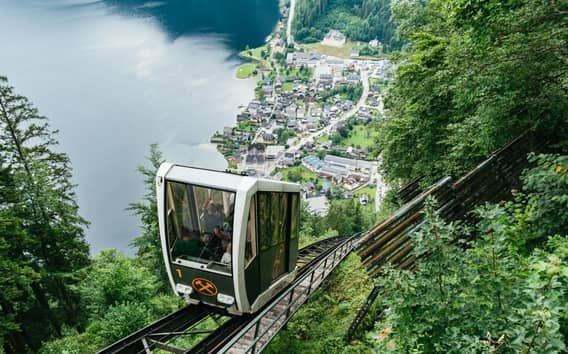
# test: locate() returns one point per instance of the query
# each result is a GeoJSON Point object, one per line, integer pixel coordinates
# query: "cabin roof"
{"type": "Point", "coordinates": [225, 180]}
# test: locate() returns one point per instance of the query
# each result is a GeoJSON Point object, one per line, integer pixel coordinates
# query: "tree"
{"type": "Point", "coordinates": [497, 295]}
{"type": "Point", "coordinates": [114, 279]}
{"type": "Point", "coordinates": [148, 245]}
{"type": "Point", "coordinates": [475, 75]}
{"type": "Point", "coordinates": [55, 246]}
{"type": "Point", "coordinates": [118, 297]}
{"type": "Point", "coordinates": [17, 274]}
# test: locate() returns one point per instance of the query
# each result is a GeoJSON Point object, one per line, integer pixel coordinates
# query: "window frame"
{"type": "Point", "coordinates": [186, 262]}
{"type": "Point", "coordinates": [254, 239]}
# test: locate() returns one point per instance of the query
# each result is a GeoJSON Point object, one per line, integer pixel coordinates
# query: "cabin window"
{"type": "Point", "coordinates": [199, 224]}
{"type": "Point", "coordinates": [274, 224]}
{"type": "Point", "coordinates": [250, 246]}
{"type": "Point", "coordinates": [265, 221]}
{"type": "Point", "coordinates": [294, 216]}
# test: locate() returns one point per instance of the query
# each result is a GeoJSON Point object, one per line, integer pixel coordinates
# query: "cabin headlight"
{"type": "Point", "coordinates": [225, 299]}
{"type": "Point", "coordinates": [183, 289]}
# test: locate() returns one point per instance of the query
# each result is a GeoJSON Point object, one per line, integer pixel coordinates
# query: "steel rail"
{"type": "Point", "coordinates": [226, 337]}
{"type": "Point", "coordinates": [174, 322]}
{"type": "Point", "coordinates": [177, 323]}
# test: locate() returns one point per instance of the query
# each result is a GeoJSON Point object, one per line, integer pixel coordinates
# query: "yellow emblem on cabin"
{"type": "Point", "coordinates": [204, 286]}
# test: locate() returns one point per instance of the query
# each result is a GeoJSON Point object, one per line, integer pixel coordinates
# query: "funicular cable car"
{"type": "Point", "coordinates": [228, 240]}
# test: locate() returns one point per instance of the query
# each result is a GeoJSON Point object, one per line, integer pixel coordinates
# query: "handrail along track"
{"type": "Point", "coordinates": [390, 242]}
{"type": "Point", "coordinates": [249, 332]}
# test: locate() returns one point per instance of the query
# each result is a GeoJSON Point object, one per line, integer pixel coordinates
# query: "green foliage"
{"type": "Point", "coordinates": [496, 296]}
{"type": "Point", "coordinates": [148, 246]}
{"type": "Point", "coordinates": [319, 325]}
{"type": "Point", "coordinates": [114, 279]}
{"type": "Point", "coordinates": [344, 217]}
{"type": "Point", "coordinates": [300, 174]}
{"type": "Point", "coordinates": [118, 297]}
{"type": "Point", "coordinates": [42, 242]}
{"type": "Point", "coordinates": [348, 92]}
{"type": "Point", "coordinates": [360, 20]}
{"type": "Point", "coordinates": [119, 321]}
{"type": "Point", "coordinates": [546, 195]}
{"type": "Point", "coordinates": [476, 75]}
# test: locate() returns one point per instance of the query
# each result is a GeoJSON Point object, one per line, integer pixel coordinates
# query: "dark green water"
{"type": "Point", "coordinates": [240, 22]}
{"type": "Point", "coordinates": [115, 76]}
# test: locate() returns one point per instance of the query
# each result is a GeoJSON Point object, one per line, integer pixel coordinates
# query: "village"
{"type": "Point", "coordinates": [312, 120]}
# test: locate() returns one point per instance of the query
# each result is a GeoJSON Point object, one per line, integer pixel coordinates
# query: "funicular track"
{"type": "Point", "coordinates": [390, 242]}
{"type": "Point", "coordinates": [248, 333]}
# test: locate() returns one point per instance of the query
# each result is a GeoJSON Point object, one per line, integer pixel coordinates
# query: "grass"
{"type": "Point", "coordinates": [253, 53]}
{"type": "Point", "coordinates": [299, 174]}
{"type": "Point", "coordinates": [321, 324]}
{"type": "Point", "coordinates": [246, 127]}
{"type": "Point", "coordinates": [322, 138]}
{"type": "Point", "coordinates": [362, 136]}
{"type": "Point", "coordinates": [343, 52]}
{"type": "Point", "coordinates": [288, 86]}
{"type": "Point", "coordinates": [245, 71]}
{"type": "Point", "coordinates": [301, 74]}
{"type": "Point", "coordinates": [368, 190]}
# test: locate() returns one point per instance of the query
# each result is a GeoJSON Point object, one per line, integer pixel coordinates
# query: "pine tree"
{"type": "Point", "coordinates": [46, 206]}
{"type": "Point", "coordinates": [15, 290]}
{"type": "Point", "coordinates": [149, 249]}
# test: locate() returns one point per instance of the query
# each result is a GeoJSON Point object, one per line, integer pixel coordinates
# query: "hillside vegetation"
{"type": "Point", "coordinates": [474, 76]}
{"type": "Point", "coordinates": [359, 20]}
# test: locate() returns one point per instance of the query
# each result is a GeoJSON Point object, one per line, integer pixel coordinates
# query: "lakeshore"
{"type": "Point", "coordinates": [114, 77]}
{"type": "Point", "coordinates": [313, 117]}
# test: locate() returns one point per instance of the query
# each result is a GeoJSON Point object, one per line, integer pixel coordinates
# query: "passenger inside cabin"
{"type": "Point", "coordinates": [211, 218]}
{"type": "Point", "coordinates": [218, 243]}
{"type": "Point", "coordinates": [188, 245]}
{"type": "Point", "coordinates": [226, 259]}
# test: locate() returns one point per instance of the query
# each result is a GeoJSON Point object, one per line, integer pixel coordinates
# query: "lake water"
{"type": "Point", "coordinates": [115, 76]}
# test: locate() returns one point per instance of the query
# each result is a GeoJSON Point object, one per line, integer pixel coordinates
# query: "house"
{"type": "Point", "coordinates": [326, 186]}
{"type": "Point", "coordinates": [267, 89]}
{"type": "Point", "coordinates": [334, 38]}
{"type": "Point", "coordinates": [255, 154]}
{"type": "Point", "coordinates": [227, 131]}
{"type": "Point", "coordinates": [325, 78]}
{"type": "Point", "coordinates": [337, 173]}
{"type": "Point", "coordinates": [312, 162]}
{"type": "Point", "coordinates": [303, 59]}
{"type": "Point", "coordinates": [353, 78]}
{"type": "Point", "coordinates": [348, 164]}
{"type": "Point", "coordinates": [311, 124]}
{"type": "Point", "coordinates": [287, 162]}
{"type": "Point", "coordinates": [242, 117]}
{"type": "Point", "coordinates": [268, 137]}
{"type": "Point", "coordinates": [318, 205]}
{"type": "Point", "coordinates": [274, 151]}
{"type": "Point", "coordinates": [291, 111]}
{"type": "Point", "coordinates": [375, 43]}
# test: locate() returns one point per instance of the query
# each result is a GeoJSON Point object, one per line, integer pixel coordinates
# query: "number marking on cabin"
{"type": "Point", "coordinates": [204, 286]}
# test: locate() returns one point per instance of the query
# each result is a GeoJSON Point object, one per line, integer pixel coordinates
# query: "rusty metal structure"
{"type": "Point", "coordinates": [493, 180]}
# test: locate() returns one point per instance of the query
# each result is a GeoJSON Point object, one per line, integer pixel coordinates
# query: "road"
{"type": "Point", "coordinates": [382, 187]}
{"type": "Point", "coordinates": [289, 37]}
